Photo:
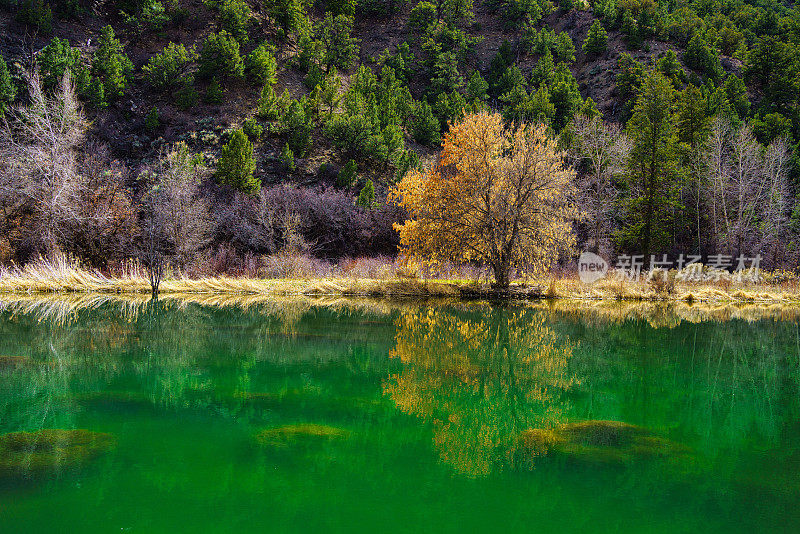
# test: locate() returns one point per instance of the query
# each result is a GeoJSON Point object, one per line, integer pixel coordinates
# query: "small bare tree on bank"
{"type": "Point", "coordinates": [175, 223]}
{"type": "Point", "coordinates": [603, 150]}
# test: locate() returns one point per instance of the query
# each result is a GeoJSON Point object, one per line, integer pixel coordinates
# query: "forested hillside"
{"type": "Point", "coordinates": [216, 131]}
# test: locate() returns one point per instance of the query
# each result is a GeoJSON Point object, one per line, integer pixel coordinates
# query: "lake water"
{"type": "Point", "coordinates": [366, 416]}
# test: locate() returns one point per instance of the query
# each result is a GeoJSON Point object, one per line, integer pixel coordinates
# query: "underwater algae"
{"type": "Point", "coordinates": [300, 435]}
{"type": "Point", "coordinates": [49, 450]}
{"type": "Point", "coordinates": [598, 442]}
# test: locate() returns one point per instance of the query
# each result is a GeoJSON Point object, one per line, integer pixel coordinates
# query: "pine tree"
{"type": "Point", "coordinates": [347, 175]}
{"type": "Point", "coordinates": [151, 122]}
{"type": "Point", "coordinates": [214, 92]}
{"type": "Point", "coordinates": [367, 195]}
{"type": "Point", "coordinates": [287, 158]}
{"type": "Point", "coordinates": [653, 168]}
{"type": "Point", "coordinates": [8, 91]}
{"type": "Point", "coordinates": [237, 164]}
{"type": "Point", "coordinates": [426, 126]}
{"type": "Point", "coordinates": [111, 64]}
{"type": "Point", "coordinates": [596, 39]}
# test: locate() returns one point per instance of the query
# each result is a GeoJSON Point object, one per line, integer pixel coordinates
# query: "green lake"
{"type": "Point", "coordinates": [369, 416]}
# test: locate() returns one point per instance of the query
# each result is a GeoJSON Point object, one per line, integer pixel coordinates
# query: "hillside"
{"type": "Point", "coordinates": [311, 110]}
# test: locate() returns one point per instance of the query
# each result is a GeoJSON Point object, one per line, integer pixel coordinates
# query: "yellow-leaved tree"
{"type": "Point", "coordinates": [499, 196]}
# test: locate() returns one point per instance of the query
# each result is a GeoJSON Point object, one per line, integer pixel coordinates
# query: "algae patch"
{"type": "Point", "coordinates": [300, 435]}
{"type": "Point", "coordinates": [50, 450]}
{"type": "Point", "coordinates": [600, 442]}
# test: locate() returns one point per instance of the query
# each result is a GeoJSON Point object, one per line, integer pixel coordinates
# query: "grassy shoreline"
{"type": "Point", "coordinates": [61, 276]}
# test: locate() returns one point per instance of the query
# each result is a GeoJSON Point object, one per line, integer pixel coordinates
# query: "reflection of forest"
{"type": "Point", "coordinates": [480, 377]}
{"type": "Point", "coordinates": [233, 362]}
{"type": "Point", "coordinates": [478, 374]}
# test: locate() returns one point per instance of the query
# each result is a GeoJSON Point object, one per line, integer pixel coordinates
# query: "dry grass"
{"type": "Point", "coordinates": [61, 275]}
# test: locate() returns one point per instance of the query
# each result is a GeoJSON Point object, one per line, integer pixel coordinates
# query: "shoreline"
{"type": "Point", "coordinates": [77, 281]}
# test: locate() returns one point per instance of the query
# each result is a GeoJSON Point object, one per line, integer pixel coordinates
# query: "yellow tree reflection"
{"type": "Point", "coordinates": [480, 378]}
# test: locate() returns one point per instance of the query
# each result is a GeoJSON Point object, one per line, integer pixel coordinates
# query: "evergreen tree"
{"type": "Point", "coordinates": [367, 195]}
{"type": "Point", "coordinates": [653, 168]}
{"type": "Point", "coordinates": [237, 164]}
{"type": "Point", "coordinates": [220, 57]}
{"type": "Point", "coordinates": [347, 175]}
{"type": "Point", "coordinates": [214, 92]}
{"type": "Point", "coordinates": [151, 122]}
{"type": "Point", "coordinates": [426, 127]}
{"type": "Point", "coordinates": [111, 64]}
{"type": "Point", "coordinates": [596, 39]}
{"type": "Point", "coordinates": [287, 158]}
{"type": "Point", "coordinates": [692, 120]}
{"type": "Point", "coordinates": [298, 126]}
{"type": "Point", "coordinates": [8, 91]}
{"type": "Point", "coordinates": [55, 59]}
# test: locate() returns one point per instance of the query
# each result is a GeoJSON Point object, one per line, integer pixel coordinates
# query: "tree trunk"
{"type": "Point", "coordinates": [502, 271]}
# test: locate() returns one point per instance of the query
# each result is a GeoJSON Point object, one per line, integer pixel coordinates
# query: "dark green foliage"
{"type": "Point", "coordinates": [169, 67]}
{"type": "Point", "coordinates": [151, 122]}
{"type": "Point", "coordinates": [111, 65]}
{"type": "Point", "coordinates": [596, 40]}
{"type": "Point", "coordinates": [340, 48]}
{"type": "Point", "coordinates": [213, 92]}
{"type": "Point", "coordinates": [692, 119]}
{"type": "Point", "coordinates": [702, 57]}
{"type": "Point", "coordinates": [220, 57]}
{"type": "Point", "coordinates": [770, 127]}
{"type": "Point", "coordinates": [36, 13]}
{"type": "Point", "coordinates": [347, 176]}
{"type": "Point", "coordinates": [402, 62]}
{"type": "Point", "coordinates": [8, 89]}
{"type": "Point", "coordinates": [272, 107]}
{"type": "Point", "coordinates": [548, 41]}
{"type": "Point", "coordinates": [298, 125]}
{"type": "Point", "coordinates": [476, 88]}
{"type": "Point", "coordinates": [653, 173]}
{"type": "Point", "coordinates": [503, 59]}
{"type": "Point", "coordinates": [518, 13]}
{"type": "Point", "coordinates": [261, 65]}
{"type": "Point", "coordinates": [366, 198]}
{"type": "Point", "coordinates": [186, 96]}
{"type": "Point", "coordinates": [237, 164]}
{"type": "Point", "coordinates": [426, 127]}
{"type": "Point", "coordinates": [290, 15]}
{"type": "Point", "coordinates": [55, 59]}
{"type": "Point", "coordinates": [736, 91]}
{"type": "Point", "coordinates": [422, 17]}
{"type": "Point", "coordinates": [252, 129]}
{"type": "Point", "coordinates": [235, 17]}
{"type": "Point", "coordinates": [145, 15]}
{"type": "Point", "coordinates": [287, 158]}
{"type": "Point", "coordinates": [629, 80]}
{"type": "Point", "coordinates": [668, 66]}
{"type": "Point", "coordinates": [369, 126]}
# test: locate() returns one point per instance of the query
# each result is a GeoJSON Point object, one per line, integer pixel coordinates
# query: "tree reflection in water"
{"type": "Point", "coordinates": [480, 376]}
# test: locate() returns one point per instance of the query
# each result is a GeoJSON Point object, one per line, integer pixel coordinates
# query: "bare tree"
{"type": "Point", "coordinates": [176, 222]}
{"type": "Point", "coordinates": [55, 192]}
{"type": "Point", "coordinates": [749, 196]}
{"type": "Point", "coordinates": [602, 149]}
{"type": "Point", "coordinates": [175, 199]}
{"type": "Point", "coordinates": [38, 146]}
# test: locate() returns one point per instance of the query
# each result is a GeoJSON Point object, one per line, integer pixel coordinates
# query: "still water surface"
{"type": "Point", "coordinates": [374, 417]}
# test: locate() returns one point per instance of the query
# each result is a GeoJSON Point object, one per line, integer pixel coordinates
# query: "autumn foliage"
{"type": "Point", "coordinates": [497, 196]}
